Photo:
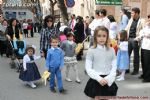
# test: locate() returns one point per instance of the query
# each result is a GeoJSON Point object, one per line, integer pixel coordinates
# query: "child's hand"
{"type": "Point", "coordinates": [103, 82]}
{"type": "Point", "coordinates": [60, 68]}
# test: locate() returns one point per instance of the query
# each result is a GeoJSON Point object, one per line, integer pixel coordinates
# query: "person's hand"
{"type": "Point", "coordinates": [8, 37]}
{"type": "Point", "coordinates": [136, 39]}
{"type": "Point", "coordinates": [24, 69]}
{"type": "Point", "coordinates": [103, 82]}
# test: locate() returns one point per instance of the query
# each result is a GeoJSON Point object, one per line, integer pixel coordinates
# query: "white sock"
{"type": "Point", "coordinates": [123, 73]}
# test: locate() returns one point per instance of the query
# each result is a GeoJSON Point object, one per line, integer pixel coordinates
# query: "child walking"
{"type": "Point", "coordinates": [70, 56]}
{"type": "Point", "coordinates": [101, 66]}
{"type": "Point", "coordinates": [30, 71]}
{"type": "Point", "coordinates": [54, 63]}
{"type": "Point", "coordinates": [122, 55]}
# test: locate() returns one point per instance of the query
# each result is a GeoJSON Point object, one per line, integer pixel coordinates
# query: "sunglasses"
{"type": "Point", "coordinates": [49, 20]}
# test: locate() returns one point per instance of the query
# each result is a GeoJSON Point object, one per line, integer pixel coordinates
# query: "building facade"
{"type": "Point", "coordinates": [87, 7]}
{"type": "Point", "coordinates": [19, 9]}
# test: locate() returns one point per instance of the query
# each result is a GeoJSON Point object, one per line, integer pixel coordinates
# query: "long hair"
{"type": "Point", "coordinates": [48, 17]}
{"type": "Point", "coordinates": [101, 28]}
{"type": "Point", "coordinates": [123, 35]}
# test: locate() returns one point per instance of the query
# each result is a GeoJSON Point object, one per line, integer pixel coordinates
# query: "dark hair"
{"type": "Point", "coordinates": [80, 19]}
{"type": "Point", "coordinates": [47, 18]}
{"type": "Point", "coordinates": [70, 34]}
{"type": "Point", "coordinates": [67, 30]}
{"type": "Point", "coordinates": [11, 21]}
{"type": "Point", "coordinates": [111, 18]}
{"type": "Point", "coordinates": [97, 12]}
{"type": "Point", "coordinates": [54, 38]}
{"type": "Point", "coordinates": [124, 11]}
{"type": "Point", "coordinates": [103, 11]}
{"type": "Point", "coordinates": [4, 20]}
{"type": "Point", "coordinates": [123, 35]}
{"type": "Point", "coordinates": [87, 17]}
{"type": "Point", "coordinates": [29, 48]}
{"type": "Point", "coordinates": [92, 17]}
{"type": "Point", "coordinates": [148, 16]}
{"type": "Point", "coordinates": [101, 28]}
{"type": "Point", "coordinates": [136, 10]}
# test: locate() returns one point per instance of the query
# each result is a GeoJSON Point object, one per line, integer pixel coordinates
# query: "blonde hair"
{"type": "Point", "coordinates": [101, 28]}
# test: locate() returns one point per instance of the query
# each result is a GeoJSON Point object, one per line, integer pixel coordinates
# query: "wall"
{"type": "Point", "coordinates": [29, 14]}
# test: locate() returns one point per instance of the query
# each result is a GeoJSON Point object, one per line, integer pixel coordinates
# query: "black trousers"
{"type": "Point", "coordinates": [134, 46]}
{"type": "Point", "coordinates": [145, 59]}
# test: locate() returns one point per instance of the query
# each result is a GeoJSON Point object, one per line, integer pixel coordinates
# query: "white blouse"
{"type": "Point", "coordinates": [26, 59]}
{"type": "Point", "coordinates": [100, 61]}
{"type": "Point", "coordinates": [123, 46]}
{"type": "Point", "coordinates": [144, 35]}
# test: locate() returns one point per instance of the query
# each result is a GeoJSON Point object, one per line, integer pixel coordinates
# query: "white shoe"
{"type": "Point", "coordinates": [118, 76]}
{"type": "Point", "coordinates": [78, 81]}
{"type": "Point", "coordinates": [68, 79]}
{"type": "Point", "coordinates": [33, 85]}
{"type": "Point", "coordinates": [120, 79]}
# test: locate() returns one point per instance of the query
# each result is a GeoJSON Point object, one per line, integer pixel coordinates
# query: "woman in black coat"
{"type": "Point", "coordinates": [79, 34]}
{"type": "Point", "coordinates": [12, 32]}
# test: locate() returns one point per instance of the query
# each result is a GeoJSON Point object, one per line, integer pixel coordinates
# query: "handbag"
{"type": "Point", "coordinates": [79, 46]}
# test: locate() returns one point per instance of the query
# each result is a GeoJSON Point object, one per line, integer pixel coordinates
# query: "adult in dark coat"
{"type": "Point", "coordinates": [79, 34]}
{"type": "Point", "coordinates": [12, 32]}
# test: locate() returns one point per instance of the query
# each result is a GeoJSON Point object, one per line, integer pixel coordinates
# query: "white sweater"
{"type": "Point", "coordinates": [100, 61]}
{"type": "Point", "coordinates": [144, 35]}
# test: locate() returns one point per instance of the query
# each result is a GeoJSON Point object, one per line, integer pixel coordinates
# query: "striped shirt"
{"type": "Point", "coordinates": [46, 34]}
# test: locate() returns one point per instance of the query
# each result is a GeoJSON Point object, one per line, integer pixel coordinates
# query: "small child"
{"type": "Point", "coordinates": [101, 66]}
{"type": "Point", "coordinates": [70, 57]}
{"type": "Point", "coordinates": [30, 71]}
{"type": "Point", "coordinates": [122, 55]}
{"type": "Point", "coordinates": [54, 63]}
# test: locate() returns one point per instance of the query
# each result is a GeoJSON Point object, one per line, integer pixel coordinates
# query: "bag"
{"type": "Point", "coordinates": [80, 46]}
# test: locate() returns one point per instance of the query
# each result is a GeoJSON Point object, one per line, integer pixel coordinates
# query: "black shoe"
{"type": "Point", "coordinates": [53, 90]}
{"type": "Point", "coordinates": [145, 81]}
{"type": "Point", "coordinates": [127, 71]}
{"type": "Point", "coordinates": [140, 77]}
{"type": "Point", "coordinates": [63, 91]}
{"type": "Point", "coordinates": [134, 73]}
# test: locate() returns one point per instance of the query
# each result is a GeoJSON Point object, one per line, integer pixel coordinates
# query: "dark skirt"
{"type": "Point", "coordinates": [31, 74]}
{"type": "Point", "coordinates": [93, 88]}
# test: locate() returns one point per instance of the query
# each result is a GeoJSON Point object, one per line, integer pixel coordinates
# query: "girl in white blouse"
{"type": "Point", "coordinates": [30, 72]}
{"type": "Point", "coordinates": [122, 55]}
{"type": "Point", "coordinates": [101, 66]}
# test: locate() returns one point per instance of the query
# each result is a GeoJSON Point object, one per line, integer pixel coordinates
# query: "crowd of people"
{"type": "Point", "coordinates": [104, 64]}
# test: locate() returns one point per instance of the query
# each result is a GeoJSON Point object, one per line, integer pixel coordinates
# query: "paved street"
{"type": "Point", "coordinates": [11, 88]}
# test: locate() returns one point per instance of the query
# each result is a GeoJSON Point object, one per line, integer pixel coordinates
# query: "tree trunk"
{"type": "Point", "coordinates": [63, 9]}
{"type": "Point", "coordinates": [52, 4]}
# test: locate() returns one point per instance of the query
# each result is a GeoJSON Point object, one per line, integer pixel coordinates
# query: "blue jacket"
{"type": "Point", "coordinates": [55, 58]}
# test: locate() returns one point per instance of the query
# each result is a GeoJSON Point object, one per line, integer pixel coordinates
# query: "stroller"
{"type": "Point", "coordinates": [18, 51]}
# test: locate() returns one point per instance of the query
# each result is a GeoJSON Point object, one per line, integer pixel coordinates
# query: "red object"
{"type": "Point", "coordinates": [29, 27]}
